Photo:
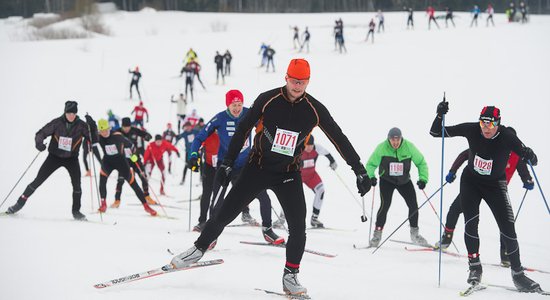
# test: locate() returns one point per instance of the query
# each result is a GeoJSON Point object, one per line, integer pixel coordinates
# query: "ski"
{"type": "Point", "coordinates": [330, 229]}
{"type": "Point", "coordinates": [289, 296]}
{"type": "Point", "coordinates": [472, 289]}
{"type": "Point", "coordinates": [411, 243]}
{"type": "Point", "coordinates": [284, 246]}
{"type": "Point", "coordinates": [157, 205]}
{"type": "Point", "coordinates": [359, 247]}
{"type": "Point", "coordinates": [513, 289]}
{"type": "Point", "coordinates": [244, 225]}
{"type": "Point", "coordinates": [428, 249]}
{"type": "Point", "coordinates": [155, 272]}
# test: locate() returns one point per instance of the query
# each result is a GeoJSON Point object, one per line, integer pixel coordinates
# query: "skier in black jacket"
{"type": "Point", "coordinates": [284, 117]}
{"type": "Point", "coordinates": [67, 134]}
{"type": "Point", "coordinates": [490, 144]}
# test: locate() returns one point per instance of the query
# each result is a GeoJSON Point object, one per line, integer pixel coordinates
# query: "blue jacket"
{"type": "Point", "coordinates": [188, 137]}
{"type": "Point", "coordinates": [226, 125]}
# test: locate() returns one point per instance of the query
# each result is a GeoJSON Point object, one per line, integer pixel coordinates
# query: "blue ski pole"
{"type": "Point", "coordinates": [538, 185]}
{"type": "Point", "coordinates": [441, 191]}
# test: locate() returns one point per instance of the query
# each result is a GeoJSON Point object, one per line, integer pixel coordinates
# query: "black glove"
{"type": "Point", "coordinates": [193, 164]}
{"type": "Point", "coordinates": [421, 184]}
{"type": "Point", "coordinates": [450, 177]}
{"type": "Point", "coordinates": [89, 120]}
{"type": "Point", "coordinates": [442, 108]}
{"type": "Point", "coordinates": [147, 137]}
{"type": "Point", "coordinates": [223, 175]}
{"type": "Point", "coordinates": [40, 147]}
{"type": "Point", "coordinates": [529, 184]}
{"type": "Point", "coordinates": [373, 181]}
{"type": "Point", "coordinates": [529, 155]}
{"type": "Point", "coordinates": [363, 183]}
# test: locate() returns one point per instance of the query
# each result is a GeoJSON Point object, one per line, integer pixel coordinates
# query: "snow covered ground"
{"type": "Point", "coordinates": [397, 81]}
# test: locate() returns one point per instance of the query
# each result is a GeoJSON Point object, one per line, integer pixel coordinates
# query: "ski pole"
{"type": "Point", "coordinates": [95, 173]}
{"type": "Point", "coordinates": [190, 195]}
{"type": "Point", "coordinates": [408, 218]}
{"type": "Point", "coordinates": [440, 219]}
{"type": "Point", "coordinates": [90, 157]}
{"type": "Point", "coordinates": [363, 217]}
{"type": "Point", "coordinates": [280, 219]}
{"type": "Point", "coordinates": [152, 190]}
{"type": "Point", "coordinates": [21, 177]}
{"type": "Point", "coordinates": [521, 204]}
{"type": "Point", "coordinates": [371, 210]}
{"type": "Point", "coordinates": [441, 193]}
{"type": "Point", "coordinates": [347, 188]}
{"type": "Point", "coordinates": [538, 184]}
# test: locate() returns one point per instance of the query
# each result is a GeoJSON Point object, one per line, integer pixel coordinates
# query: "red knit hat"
{"type": "Point", "coordinates": [298, 68]}
{"type": "Point", "coordinates": [233, 96]}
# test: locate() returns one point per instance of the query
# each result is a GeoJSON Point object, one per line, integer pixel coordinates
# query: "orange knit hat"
{"type": "Point", "coordinates": [298, 68]}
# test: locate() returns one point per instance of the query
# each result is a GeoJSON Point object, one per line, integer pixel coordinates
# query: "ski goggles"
{"type": "Point", "coordinates": [488, 124]}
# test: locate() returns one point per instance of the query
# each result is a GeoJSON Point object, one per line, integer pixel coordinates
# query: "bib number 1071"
{"type": "Point", "coordinates": [285, 142]}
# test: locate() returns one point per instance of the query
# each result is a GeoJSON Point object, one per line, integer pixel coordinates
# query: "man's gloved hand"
{"type": "Point", "coordinates": [421, 184]}
{"type": "Point", "coordinates": [529, 184]}
{"type": "Point", "coordinates": [40, 147]}
{"type": "Point", "coordinates": [134, 158]}
{"type": "Point", "coordinates": [529, 155]}
{"type": "Point", "coordinates": [89, 119]}
{"type": "Point", "coordinates": [363, 182]}
{"type": "Point", "coordinates": [373, 181]}
{"type": "Point", "coordinates": [333, 165]}
{"type": "Point", "coordinates": [223, 175]}
{"type": "Point", "coordinates": [450, 177]}
{"type": "Point", "coordinates": [442, 108]}
{"type": "Point", "coordinates": [148, 137]}
{"type": "Point", "coordinates": [193, 163]}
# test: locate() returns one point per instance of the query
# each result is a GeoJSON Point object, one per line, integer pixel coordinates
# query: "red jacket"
{"type": "Point", "coordinates": [140, 111]}
{"type": "Point", "coordinates": [155, 152]}
{"type": "Point", "coordinates": [211, 146]}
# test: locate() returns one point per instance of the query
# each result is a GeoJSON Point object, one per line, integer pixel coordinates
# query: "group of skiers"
{"type": "Point", "coordinates": [281, 156]}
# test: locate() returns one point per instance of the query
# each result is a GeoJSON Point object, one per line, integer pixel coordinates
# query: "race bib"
{"type": "Point", "coordinates": [127, 152]}
{"type": "Point", "coordinates": [214, 160]}
{"type": "Point", "coordinates": [285, 142]}
{"type": "Point", "coordinates": [309, 163]}
{"type": "Point", "coordinates": [396, 169]}
{"type": "Point", "coordinates": [190, 138]}
{"type": "Point", "coordinates": [65, 143]}
{"type": "Point", "coordinates": [139, 113]}
{"type": "Point", "coordinates": [483, 166]}
{"type": "Point", "coordinates": [111, 149]}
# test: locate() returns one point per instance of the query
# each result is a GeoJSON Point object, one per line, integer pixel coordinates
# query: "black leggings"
{"type": "Point", "coordinates": [124, 171]}
{"type": "Point", "coordinates": [208, 173]}
{"type": "Point", "coordinates": [134, 83]}
{"type": "Point", "coordinates": [144, 182]}
{"type": "Point", "coordinates": [290, 192]}
{"type": "Point", "coordinates": [262, 196]}
{"type": "Point", "coordinates": [406, 191]}
{"type": "Point", "coordinates": [50, 165]}
{"type": "Point", "coordinates": [495, 194]}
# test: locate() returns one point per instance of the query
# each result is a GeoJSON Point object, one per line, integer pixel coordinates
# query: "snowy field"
{"type": "Point", "coordinates": [396, 81]}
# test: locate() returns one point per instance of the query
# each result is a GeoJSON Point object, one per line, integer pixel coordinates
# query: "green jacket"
{"type": "Point", "coordinates": [394, 165]}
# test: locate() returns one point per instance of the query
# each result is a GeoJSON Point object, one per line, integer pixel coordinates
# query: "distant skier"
{"type": "Point", "coordinates": [136, 76]}
{"type": "Point", "coordinates": [140, 111]}
{"type": "Point", "coordinates": [475, 15]}
{"type": "Point", "coordinates": [189, 79]}
{"type": "Point", "coordinates": [512, 10]}
{"type": "Point", "coordinates": [181, 110]}
{"type": "Point", "coordinates": [116, 150]}
{"type": "Point", "coordinates": [114, 120]}
{"type": "Point", "coordinates": [270, 52]}
{"type": "Point", "coordinates": [339, 36]}
{"type": "Point", "coordinates": [490, 11]}
{"type": "Point", "coordinates": [227, 62]}
{"type": "Point", "coordinates": [263, 50]}
{"type": "Point", "coordinates": [449, 16]}
{"type": "Point", "coordinates": [153, 157]}
{"type": "Point", "coordinates": [136, 135]}
{"type": "Point", "coordinates": [218, 60]}
{"type": "Point", "coordinates": [523, 11]}
{"type": "Point", "coordinates": [431, 17]}
{"type": "Point", "coordinates": [169, 135]}
{"type": "Point", "coordinates": [190, 56]}
{"type": "Point", "coordinates": [67, 133]}
{"type": "Point", "coordinates": [296, 36]}
{"type": "Point", "coordinates": [192, 118]}
{"type": "Point", "coordinates": [410, 19]}
{"type": "Point", "coordinates": [188, 136]}
{"type": "Point", "coordinates": [306, 36]}
{"type": "Point", "coordinates": [394, 158]}
{"type": "Point", "coordinates": [380, 17]}
{"type": "Point", "coordinates": [372, 25]}
{"type": "Point", "coordinates": [196, 67]}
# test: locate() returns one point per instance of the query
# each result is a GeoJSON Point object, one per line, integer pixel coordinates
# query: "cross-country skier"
{"type": "Point", "coordinates": [306, 36]}
{"type": "Point", "coordinates": [475, 15]}
{"type": "Point", "coordinates": [170, 136]}
{"type": "Point", "coordinates": [140, 111]}
{"type": "Point", "coordinates": [410, 18]}
{"type": "Point", "coordinates": [490, 12]}
{"type": "Point", "coordinates": [181, 110]}
{"type": "Point", "coordinates": [380, 17]}
{"type": "Point", "coordinates": [262, 52]}
{"type": "Point", "coordinates": [523, 11]}
{"type": "Point", "coordinates": [137, 136]}
{"type": "Point", "coordinates": [189, 80]}
{"type": "Point", "coordinates": [430, 11]}
{"type": "Point", "coordinates": [218, 60]}
{"type": "Point", "coordinates": [296, 36]}
{"type": "Point", "coordinates": [394, 158]}
{"type": "Point", "coordinates": [490, 144]}
{"type": "Point", "coordinates": [270, 52]}
{"type": "Point", "coordinates": [136, 76]}
{"type": "Point", "coordinates": [225, 124]}
{"type": "Point", "coordinates": [372, 25]}
{"type": "Point", "coordinates": [153, 157]}
{"type": "Point", "coordinates": [449, 16]}
{"type": "Point", "coordinates": [274, 164]}
{"type": "Point", "coordinates": [114, 120]}
{"type": "Point", "coordinates": [67, 133]}
{"type": "Point", "coordinates": [188, 136]}
{"type": "Point", "coordinates": [227, 57]}
{"type": "Point", "coordinates": [514, 163]}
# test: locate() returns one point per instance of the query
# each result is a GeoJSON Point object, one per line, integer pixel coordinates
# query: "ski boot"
{"type": "Point", "coordinates": [77, 215]}
{"type": "Point", "coordinates": [103, 206]}
{"type": "Point", "coordinates": [150, 200]}
{"type": "Point", "coordinates": [115, 204]}
{"type": "Point", "coordinates": [446, 239]}
{"type": "Point", "coordinates": [184, 259]}
{"type": "Point", "coordinates": [417, 238]}
{"type": "Point", "coordinates": [291, 285]}
{"type": "Point", "coordinates": [504, 259]}
{"type": "Point", "coordinates": [148, 209]}
{"type": "Point", "coordinates": [376, 237]}
{"type": "Point", "coordinates": [315, 223]}
{"type": "Point", "coordinates": [523, 283]}
{"type": "Point", "coordinates": [271, 237]}
{"type": "Point", "coordinates": [247, 218]}
{"type": "Point", "coordinates": [16, 207]}
{"type": "Point", "coordinates": [474, 277]}
{"type": "Point", "coordinates": [199, 227]}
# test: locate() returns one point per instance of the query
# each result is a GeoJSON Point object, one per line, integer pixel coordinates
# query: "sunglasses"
{"type": "Point", "coordinates": [487, 124]}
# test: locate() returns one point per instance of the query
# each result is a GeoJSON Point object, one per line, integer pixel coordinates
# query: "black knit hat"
{"type": "Point", "coordinates": [158, 137]}
{"type": "Point", "coordinates": [126, 122]}
{"type": "Point", "coordinates": [71, 107]}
